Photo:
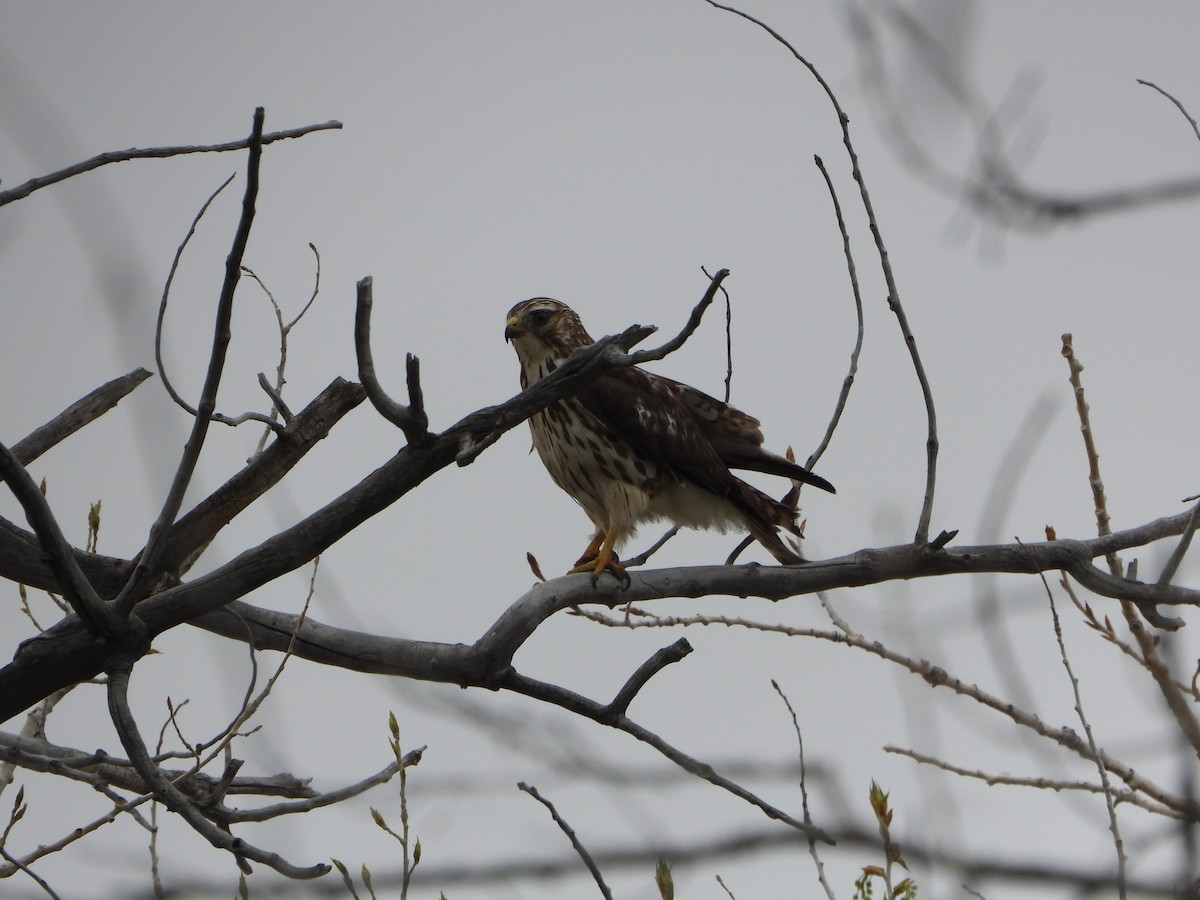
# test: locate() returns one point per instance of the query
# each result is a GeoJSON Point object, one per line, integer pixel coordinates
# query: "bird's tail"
{"type": "Point", "coordinates": [763, 515]}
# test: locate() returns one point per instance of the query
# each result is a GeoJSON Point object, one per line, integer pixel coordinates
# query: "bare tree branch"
{"type": "Point", "coordinates": [21, 561]}
{"type": "Point", "coordinates": [411, 419]}
{"type": "Point", "coordinates": [931, 441]}
{"type": "Point", "coordinates": [936, 676]}
{"type": "Point", "coordinates": [96, 615]}
{"type": "Point", "coordinates": [1179, 106]}
{"type": "Point", "coordinates": [647, 670]}
{"type": "Point", "coordinates": [991, 187]}
{"type": "Point", "coordinates": [76, 416]}
{"type": "Point", "coordinates": [115, 156]}
{"type": "Point", "coordinates": [693, 322]}
{"type": "Point", "coordinates": [598, 712]}
{"type": "Point", "coordinates": [159, 531]}
{"type": "Point", "coordinates": [812, 844]}
{"type": "Point", "coordinates": [63, 655]}
{"type": "Point", "coordinates": [1093, 748]}
{"type": "Point", "coordinates": [176, 801]}
{"type": "Point", "coordinates": [100, 768]}
{"type": "Point", "coordinates": [848, 381]}
{"type": "Point", "coordinates": [572, 837]}
{"type": "Point", "coordinates": [1124, 795]}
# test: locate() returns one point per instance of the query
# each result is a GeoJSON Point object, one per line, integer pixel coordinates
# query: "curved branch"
{"type": "Point", "coordinates": [852, 270]}
{"type": "Point", "coordinates": [166, 296]}
{"type": "Point", "coordinates": [411, 419]}
{"type": "Point", "coordinates": [931, 441]}
{"type": "Point", "coordinates": [647, 670]}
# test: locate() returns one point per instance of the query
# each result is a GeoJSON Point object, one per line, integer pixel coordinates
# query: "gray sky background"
{"type": "Point", "coordinates": [601, 153]}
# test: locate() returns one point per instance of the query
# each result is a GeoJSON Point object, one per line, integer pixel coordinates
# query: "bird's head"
{"type": "Point", "coordinates": [544, 332]}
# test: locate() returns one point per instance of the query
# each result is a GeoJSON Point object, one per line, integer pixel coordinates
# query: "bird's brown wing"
{"type": "Point", "coordinates": [736, 437]}
{"type": "Point", "coordinates": [646, 411]}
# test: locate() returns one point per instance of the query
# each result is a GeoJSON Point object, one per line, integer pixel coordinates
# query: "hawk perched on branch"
{"type": "Point", "coordinates": [635, 447]}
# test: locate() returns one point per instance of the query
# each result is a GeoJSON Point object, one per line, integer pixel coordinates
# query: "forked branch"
{"type": "Point", "coordinates": [410, 419]}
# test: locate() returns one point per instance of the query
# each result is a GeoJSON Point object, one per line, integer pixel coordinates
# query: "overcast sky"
{"type": "Point", "coordinates": [602, 153]}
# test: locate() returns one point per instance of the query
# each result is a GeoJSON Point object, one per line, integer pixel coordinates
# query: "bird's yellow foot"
{"type": "Point", "coordinates": [598, 557]}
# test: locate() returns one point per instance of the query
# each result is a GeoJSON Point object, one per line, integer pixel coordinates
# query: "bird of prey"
{"type": "Point", "coordinates": [636, 447]}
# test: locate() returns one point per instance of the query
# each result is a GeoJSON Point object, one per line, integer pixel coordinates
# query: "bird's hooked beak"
{"type": "Point", "coordinates": [511, 330]}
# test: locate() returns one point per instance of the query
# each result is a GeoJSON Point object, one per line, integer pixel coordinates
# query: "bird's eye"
{"type": "Point", "coordinates": [539, 317]}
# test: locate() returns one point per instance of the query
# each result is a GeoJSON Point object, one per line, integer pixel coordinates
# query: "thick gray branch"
{"type": "Point", "coordinates": [77, 415]}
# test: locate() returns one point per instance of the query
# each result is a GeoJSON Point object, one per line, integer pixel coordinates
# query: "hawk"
{"type": "Point", "coordinates": [636, 447]}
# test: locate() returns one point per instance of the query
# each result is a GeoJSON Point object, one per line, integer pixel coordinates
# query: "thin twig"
{"type": "Point", "coordinates": [645, 555]}
{"type": "Point", "coordinates": [75, 834]}
{"type": "Point", "coordinates": [41, 882]}
{"type": "Point", "coordinates": [1039, 782]}
{"type": "Point", "coordinates": [176, 800]}
{"type": "Point", "coordinates": [641, 356]}
{"type": "Point", "coordinates": [728, 338]}
{"type": "Point", "coordinates": [115, 156]}
{"type": "Point", "coordinates": [812, 844]}
{"type": "Point", "coordinates": [921, 538]}
{"type": "Point", "coordinates": [848, 381]}
{"type": "Point", "coordinates": [934, 676]}
{"type": "Point", "coordinates": [1091, 739]}
{"type": "Point", "coordinates": [570, 833]}
{"type": "Point", "coordinates": [275, 392]}
{"type": "Point", "coordinates": [1178, 105]}
{"type": "Point", "coordinates": [317, 801]}
{"type": "Point", "coordinates": [580, 705]}
{"type": "Point", "coordinates": [1162, 676]}
{"type": "Point", "coordinates": [166, 295]}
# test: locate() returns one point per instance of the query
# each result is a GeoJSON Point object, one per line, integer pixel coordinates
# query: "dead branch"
{"type": "Point", "coordinates": [96, 615]}
{"type": "Point", "coordinates": [410, 419]}
{"type": "Point", "coordinates": [647, 670]}
{"type": "Point", "coordinates": [77, 415]}
{"type": "Point", "coordinates": [149, 558]}
{"type": "Point", "coordinates": [175, 799]}
{"type": "Point", "coordinates": [600, 713]}
{"type": "Point", "coordinates": [115, 156]}
{"type": "Point", "coordinates": [572, 837]}
{"type": "Point", "coordinates": [689, 328]}
{"type": "Point", "coordinates": [64, 655]}
{"type": "Point", "coordinates": [100, 768]}
{"type": "Point", "coordinates": [893, 299]}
